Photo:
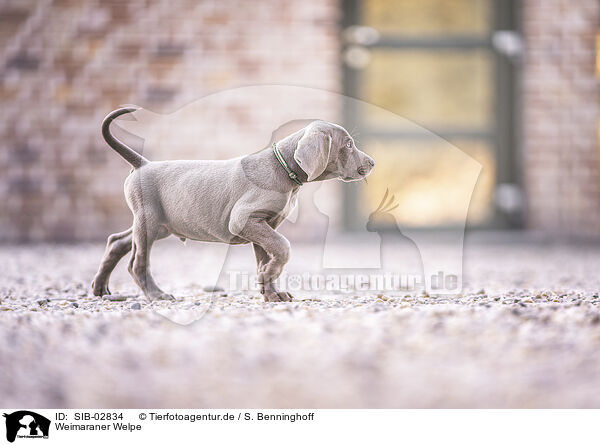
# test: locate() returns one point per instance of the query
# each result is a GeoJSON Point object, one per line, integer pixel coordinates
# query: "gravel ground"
{"type": "Point", "coordinates": [525, 332]}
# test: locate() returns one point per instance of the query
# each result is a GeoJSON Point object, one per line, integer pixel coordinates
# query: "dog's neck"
{"type": "Point", "coordinates": [287, 149]}
{"type": "Point", "coordinates": [263, 164]}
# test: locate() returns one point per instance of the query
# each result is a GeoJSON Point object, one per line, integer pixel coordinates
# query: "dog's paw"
{"type": "Point", "coordinates": [98, 290]}
{"type": "Point", "coordinates": [161, 296]}
{"type": "Point", "coordinates": [278, 296]}
{"type": "Point", "coordinates": [285, 296]}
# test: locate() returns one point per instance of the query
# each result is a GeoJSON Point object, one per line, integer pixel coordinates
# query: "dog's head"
{"type": "Point", "coordinates": [327, 151]}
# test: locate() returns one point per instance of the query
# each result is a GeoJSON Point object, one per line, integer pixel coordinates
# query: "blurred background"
{"type": "Point", "coordinates": [514, 84]}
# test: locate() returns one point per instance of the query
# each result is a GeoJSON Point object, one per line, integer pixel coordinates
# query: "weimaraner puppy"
{"type": "Point", "coordinates": [237, 201]}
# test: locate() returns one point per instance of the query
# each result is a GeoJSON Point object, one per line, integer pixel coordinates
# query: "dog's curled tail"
{"type": "Point", "coordinates": [129, 154]}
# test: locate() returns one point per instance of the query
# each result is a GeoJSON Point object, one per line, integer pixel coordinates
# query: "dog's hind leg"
{"type": "Point", "coordinates": [117, 246]}
{"type": "Point", "coordinates": [144, 235]}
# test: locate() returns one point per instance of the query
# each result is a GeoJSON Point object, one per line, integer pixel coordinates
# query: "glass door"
{"type": "Point", "coordinates": [438, 64]}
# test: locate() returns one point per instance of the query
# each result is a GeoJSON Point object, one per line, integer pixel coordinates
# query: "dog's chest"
{"type": "Point", "coordinates": [289, 206]}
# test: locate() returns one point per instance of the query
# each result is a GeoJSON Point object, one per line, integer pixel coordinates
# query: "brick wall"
{"type": "Point", "coordinates": [560, 100]}
{"type": "Point", "coordinates": [65, 64]}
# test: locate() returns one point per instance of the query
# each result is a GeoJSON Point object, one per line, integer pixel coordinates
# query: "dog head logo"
{"type": "Point", "coordinates": [26, 424]}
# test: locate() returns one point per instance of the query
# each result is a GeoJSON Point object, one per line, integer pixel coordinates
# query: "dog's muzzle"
{"type": "Point", "coordinates": [364, 170]}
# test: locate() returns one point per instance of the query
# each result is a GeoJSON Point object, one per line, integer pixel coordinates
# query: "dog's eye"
{"type": "Point", "coordinates": [349, 144]}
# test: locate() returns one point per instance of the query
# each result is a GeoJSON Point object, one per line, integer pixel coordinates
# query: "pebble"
{"type": "Point", "coordinates": [213, 289]}
{"type": "Point", "coordinates": [114, 297]}
{"type": "Point", "coordinates": [136, 306]}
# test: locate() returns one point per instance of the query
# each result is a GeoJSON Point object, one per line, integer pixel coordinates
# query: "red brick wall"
{"type": "Point", "coordinates": [560, 111]}
{"type": "Point", "coordinates": [65, 64]}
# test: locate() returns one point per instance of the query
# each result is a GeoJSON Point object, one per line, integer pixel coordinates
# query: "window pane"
{"type": "Point", "coordinates": [434, 89]}
{"type": "Point", "coordinates": [427, 18]}
{"type": "Point", "coordinates": [431, 181]}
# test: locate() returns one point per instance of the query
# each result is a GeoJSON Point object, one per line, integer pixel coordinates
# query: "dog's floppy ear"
{"type": "Point", "coordinates": [312, 153]}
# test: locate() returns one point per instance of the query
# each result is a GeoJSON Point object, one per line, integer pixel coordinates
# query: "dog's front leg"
{"type": "Point", "coordinates": [262, 257]}
{"type": "Point", "coordinates": [272, 252]}
{"type": "Point", "coordinates": [267, 289]}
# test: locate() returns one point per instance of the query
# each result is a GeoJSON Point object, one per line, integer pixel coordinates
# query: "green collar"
{"type": "Point", "coordinates": [293, 176]}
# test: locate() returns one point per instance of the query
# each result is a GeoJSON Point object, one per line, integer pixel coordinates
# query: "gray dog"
{"type": "Point", "coordinates": [238, 201]}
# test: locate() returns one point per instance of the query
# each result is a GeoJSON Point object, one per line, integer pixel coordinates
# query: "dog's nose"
{"type": "Point", "coordinates": [371, 162]}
